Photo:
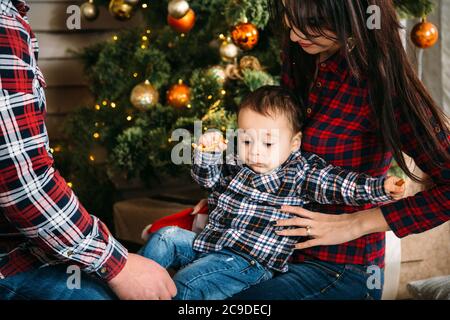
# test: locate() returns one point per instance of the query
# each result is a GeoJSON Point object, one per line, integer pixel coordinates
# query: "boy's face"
{"type": "Point", "coordinates": [265, 142]}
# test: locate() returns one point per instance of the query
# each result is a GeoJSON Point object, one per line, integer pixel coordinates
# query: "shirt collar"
{"type": "Point", "coordinates": [276, 173]}
{"type": "Point", "coordinates": [336, 64]}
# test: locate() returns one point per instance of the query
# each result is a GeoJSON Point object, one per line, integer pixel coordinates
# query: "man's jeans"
{"type": "Point", "coordinates": [210, 276]}
{"type": "Point", "coordinates": [53, 283]}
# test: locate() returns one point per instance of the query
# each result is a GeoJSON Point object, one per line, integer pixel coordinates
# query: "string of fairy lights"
{"type": "Point", "coordinates": [243, 36]}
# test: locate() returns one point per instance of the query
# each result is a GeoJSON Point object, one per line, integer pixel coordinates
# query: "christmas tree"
{"type": "Point", "coordinates": [190, 61]}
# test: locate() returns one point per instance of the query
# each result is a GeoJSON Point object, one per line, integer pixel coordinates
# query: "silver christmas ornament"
{"type": "Point", "coordinates": [178, 8]}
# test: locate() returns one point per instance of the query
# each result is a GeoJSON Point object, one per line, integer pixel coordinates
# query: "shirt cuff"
{"type": "Point", "coordinates": [399, 221]}
{"type": "Point", "coordinates": [377, 190]}
{"type": "Point", "coordinates": [113, 260]}
{"type": "Point", "coordinates": [207, 158]}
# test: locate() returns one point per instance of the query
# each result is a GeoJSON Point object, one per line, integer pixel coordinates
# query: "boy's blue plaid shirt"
{"type": "Point", "coordinates": [243, 204]}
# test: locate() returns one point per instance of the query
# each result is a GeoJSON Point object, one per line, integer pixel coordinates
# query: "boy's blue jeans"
{"type": "Point", "coordinates": [228, 274]}
{"type": "Point", "coordinates": [211, 276]}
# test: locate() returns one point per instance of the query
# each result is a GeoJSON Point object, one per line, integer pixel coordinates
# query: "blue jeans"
{"type": "Point", "coordinates": [318, 280]}
{"type": "Point", "coordinates": [202, 276]}
{"type": "Point", "coordinates": [51, 283]}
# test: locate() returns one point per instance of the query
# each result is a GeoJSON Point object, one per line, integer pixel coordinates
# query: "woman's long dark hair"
{"type": "Point", "coordinates": [378, 56]}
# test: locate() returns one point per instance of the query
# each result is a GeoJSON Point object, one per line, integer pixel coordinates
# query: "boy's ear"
{"type": "Point", "coordinates": [296, 142]}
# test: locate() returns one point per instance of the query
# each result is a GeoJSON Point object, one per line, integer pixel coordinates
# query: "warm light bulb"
{"type": "Point", "coordinates": [92, 158]}
{"type": "Point", "coordinates": [96, 135]}
{"type": "Point", "coordinates": [70, 184]}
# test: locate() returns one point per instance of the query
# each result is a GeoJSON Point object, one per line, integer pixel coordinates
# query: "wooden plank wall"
{"type": "Point", "coordinates": [67, 88]}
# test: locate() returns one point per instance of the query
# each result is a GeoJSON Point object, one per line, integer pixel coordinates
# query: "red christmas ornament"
{"type": "Point", "coordinates": [424, 34]}
{"type": "Point", "coordinates": [184, 24]}
{"type": "Point", "coordinates": [179, 95]}
{"type": "Point", "coordinates": [245, 35]}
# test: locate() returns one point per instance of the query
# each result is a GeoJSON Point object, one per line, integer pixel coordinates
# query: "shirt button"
{"type": "Point", "coordinates": [437, 129]}
{"type": "Point", "coordinates": [309, 110]}
{"type": "Point", "coordinates": [252, 262]}
{"type": "Point", "coordinates": [323, 65]}
{"type": "Point", "coordinates": [319, 84]}
{"type": "Point", "coordinates": [103, 270]}
{"type": "Point", "coordinates": [69, 253]}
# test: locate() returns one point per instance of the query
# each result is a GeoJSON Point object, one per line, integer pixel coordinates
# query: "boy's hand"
{"type": "Point", "coordinates": [211, 142]}
{"type": "Point", "coordinates": [395, 187]}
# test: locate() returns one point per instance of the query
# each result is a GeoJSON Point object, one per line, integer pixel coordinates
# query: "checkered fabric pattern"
{"type": "Point", "coordinates": [243, 204]}
{"type": "Point", "coordinates": [341, 128]}
{"type": "Point", "coordinates": [41, 220]}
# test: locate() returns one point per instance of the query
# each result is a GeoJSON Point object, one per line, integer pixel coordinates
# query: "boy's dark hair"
{"type": "Point", "coordinates": [274, 100]}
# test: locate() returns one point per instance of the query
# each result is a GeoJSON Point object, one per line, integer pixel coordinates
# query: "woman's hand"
{"type": "Point", "coordinates": [330, 229]}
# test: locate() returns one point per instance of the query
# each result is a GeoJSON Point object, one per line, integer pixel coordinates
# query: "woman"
{"type": "Point", "coordinates": [365, 106]}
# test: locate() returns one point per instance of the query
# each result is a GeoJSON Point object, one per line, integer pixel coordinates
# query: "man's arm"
{"type": "Point", "coordinates": [328, 184]}
{"type": "Point", "coordinates": [37, 200]}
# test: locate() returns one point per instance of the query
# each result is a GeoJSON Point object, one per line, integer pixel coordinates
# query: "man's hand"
{"type": "Point", "coordinates": [143, 279]}
{"type": "Point", "coordinates": [395, 186]}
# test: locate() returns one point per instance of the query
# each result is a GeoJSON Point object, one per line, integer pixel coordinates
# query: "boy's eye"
{"type": "Point", "coordinates": [246, 142]}
{"type": "Point", "coordinates": [268, 145]}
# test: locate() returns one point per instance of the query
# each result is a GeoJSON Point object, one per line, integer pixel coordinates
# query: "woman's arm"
{"type": "Point", "coordinates": [327, 229]}
{"type": "Point", "coordinates": [430, 208]}
{"type": "Point", "coordinates": [415, 214]}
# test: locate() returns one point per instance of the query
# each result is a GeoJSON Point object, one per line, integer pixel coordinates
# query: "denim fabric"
{"type": "Point", "coordinates": [318, 280]}
{"type": "Point", "coordinates": [202, 276]}
{"type": "Point", "coordinates": [51, 283]}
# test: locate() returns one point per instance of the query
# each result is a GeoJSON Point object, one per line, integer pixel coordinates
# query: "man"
{"type": "Point", "coordinates": [43, 227]}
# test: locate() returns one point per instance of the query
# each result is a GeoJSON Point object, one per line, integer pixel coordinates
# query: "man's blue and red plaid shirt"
{"type": "Point", "coordinates": [243, 204]}
{"type": "Point", "coordinates": [341, 128]}
{"type": "Point", "coordinates": [41, 219]}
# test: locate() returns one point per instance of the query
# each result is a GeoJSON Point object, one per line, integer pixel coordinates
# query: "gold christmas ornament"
{"type": "Point", "coordinates": [120, 9]}
{"type": "Point", "coordinates": [228, 51]}
{"type": "Point", "coordinates": [424, 34]}
{"type": "Point", "coordinates": [178, 8]}
{"type": "Point", "coordinates": [218, 73]}
{"type": "Point", "coordinates": [184, 24]}
{"type": "Point", "coordinates": [144, 96]}
{"type": "Point", "coordinates": [89, 10]}
{"type": "Point", "coordinates": [179, 95]}
{"type": "Point", "coordinates": [245, 35]}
